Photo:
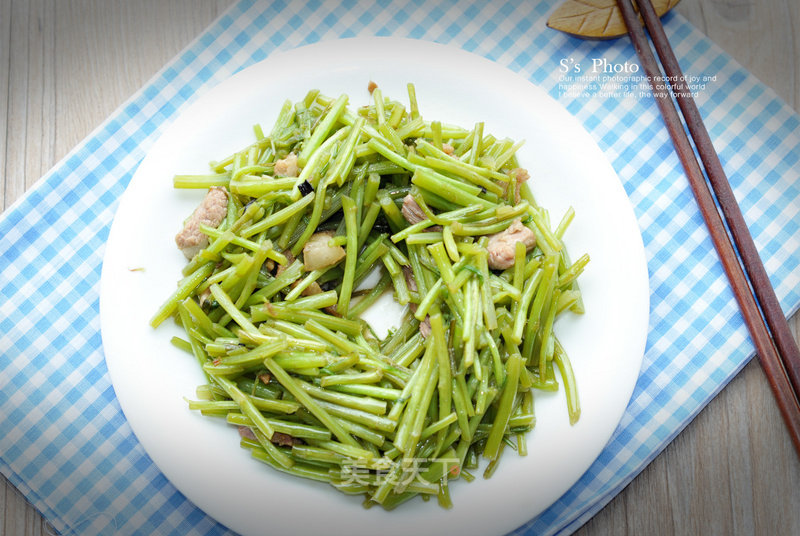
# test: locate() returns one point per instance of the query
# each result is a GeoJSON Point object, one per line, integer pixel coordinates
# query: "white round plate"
{"type": "Point", "coordinates": [202, 457]}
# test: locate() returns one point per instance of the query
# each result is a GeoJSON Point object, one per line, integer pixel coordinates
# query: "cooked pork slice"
{"type": "Point", "coordinates": [411, 283]}
{"type": "Point", "coordinates": [425, 327]}
{"type": "Point", "coordinates": [412, 212]}
{"type": "Point", "coordinates": [210, 212]}
{"type": "Point", "coordinates": [521, 175]}
{"type": "Point", "coordinates": [502, 245]}
{"type": "Point", "coordinates": [284, 440]}
{"type": "Point", "coordinates": [246, 432]}
{"type": "Point", "coordinates": [311, 289]}
{"type": "Point", "coordinates": [318, 254]}
{"type": "Point", "coordinates": [286, 167]}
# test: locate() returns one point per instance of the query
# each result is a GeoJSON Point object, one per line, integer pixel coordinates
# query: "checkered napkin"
{"type": "Point", "coordinates": [63, 439]}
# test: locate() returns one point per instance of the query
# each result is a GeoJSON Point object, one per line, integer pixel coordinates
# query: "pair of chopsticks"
{"type": "Point", "coordinates": [775, 346]}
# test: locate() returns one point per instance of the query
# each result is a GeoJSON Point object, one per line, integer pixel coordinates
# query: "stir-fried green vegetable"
{"type": "Point", "coordinates": [272, 297]}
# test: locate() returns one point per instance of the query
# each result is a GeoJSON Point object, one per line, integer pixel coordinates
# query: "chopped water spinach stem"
{"type": "Point", "coordinates": [300, 236]}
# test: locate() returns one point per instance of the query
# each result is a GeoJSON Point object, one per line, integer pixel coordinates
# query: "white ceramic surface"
{"type": "Point", "coordinates": [202, 457]}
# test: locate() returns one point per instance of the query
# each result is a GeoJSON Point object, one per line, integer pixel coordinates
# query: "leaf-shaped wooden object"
{"type": "Point", "coordinates": [596, 19]}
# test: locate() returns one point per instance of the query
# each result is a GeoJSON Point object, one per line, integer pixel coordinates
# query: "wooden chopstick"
{"type": "Point", "coordinates": [779, 358]}
{"type": "Point", "coordinates": [770, 307]}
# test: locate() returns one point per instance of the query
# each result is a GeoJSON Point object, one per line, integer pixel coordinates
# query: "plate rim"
{"type": "Point", "coordinates": [282, 55]}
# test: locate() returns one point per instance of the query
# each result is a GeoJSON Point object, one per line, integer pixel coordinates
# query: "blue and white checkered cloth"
{"type": "Point", "coordinates": [63, 439]}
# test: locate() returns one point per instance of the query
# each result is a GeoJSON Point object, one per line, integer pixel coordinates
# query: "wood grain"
{"type": "Point", "coordinates": [65, 65]}
{"type": "Point", "coordinates": [732, 471]}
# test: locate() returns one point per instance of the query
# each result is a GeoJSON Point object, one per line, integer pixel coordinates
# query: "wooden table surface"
{"type": "Point", "coordinates": [65, 65]}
